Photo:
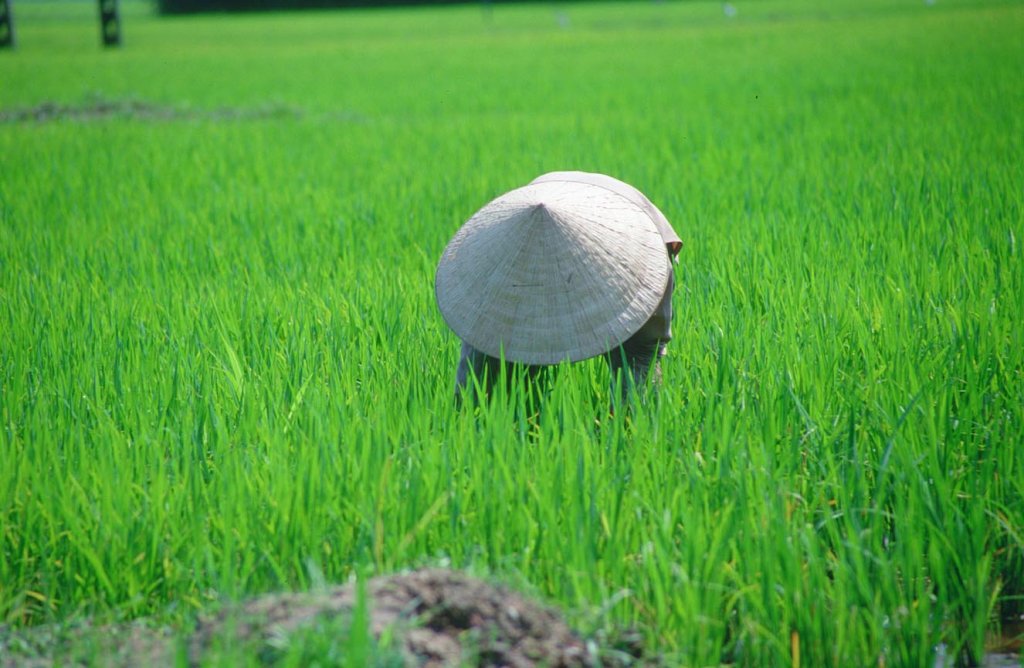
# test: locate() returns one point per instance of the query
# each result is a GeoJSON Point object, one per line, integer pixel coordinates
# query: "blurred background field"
{"type": "Point", "coordinates": [222, 371]}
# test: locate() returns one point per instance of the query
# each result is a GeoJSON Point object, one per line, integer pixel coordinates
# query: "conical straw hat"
{"type": "Point", "coordinates": [552, 271]}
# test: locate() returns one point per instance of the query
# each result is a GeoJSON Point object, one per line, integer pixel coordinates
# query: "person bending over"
{"type": "Point", "coordinates": [570, 266]}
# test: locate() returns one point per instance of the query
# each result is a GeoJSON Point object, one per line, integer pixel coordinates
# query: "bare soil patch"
{"type": "Point", "coordinates": [101, 108]}
{"type": "Point", "coordinates": [433, 618]}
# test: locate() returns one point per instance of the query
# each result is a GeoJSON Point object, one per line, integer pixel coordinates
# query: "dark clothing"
{"type": "Point", "coordinates": [640, 355]}
{"type": "Point", "coordinates": [631, 363]}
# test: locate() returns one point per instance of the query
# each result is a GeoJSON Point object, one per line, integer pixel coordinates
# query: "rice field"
{"type": "Point", "coordinates": [223, 373]}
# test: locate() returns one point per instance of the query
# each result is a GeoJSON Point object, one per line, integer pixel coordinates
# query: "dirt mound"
{"type": "Point", "coordinates": [426, 618]}
{"type": "Point", "coordinates": [443, 618]}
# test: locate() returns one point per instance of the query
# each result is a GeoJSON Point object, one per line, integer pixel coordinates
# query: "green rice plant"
{"type": "Point", "coordinates": [222, 369]}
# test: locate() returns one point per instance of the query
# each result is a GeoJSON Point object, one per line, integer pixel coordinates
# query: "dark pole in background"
{"type": "Point", "coordinates": [6, 25]}
{"type": "Point", "coordinates": [110, 23]}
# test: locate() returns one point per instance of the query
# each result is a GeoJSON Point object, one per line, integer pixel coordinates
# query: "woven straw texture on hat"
{"type": "Point", "coordinates": [552, 271]}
